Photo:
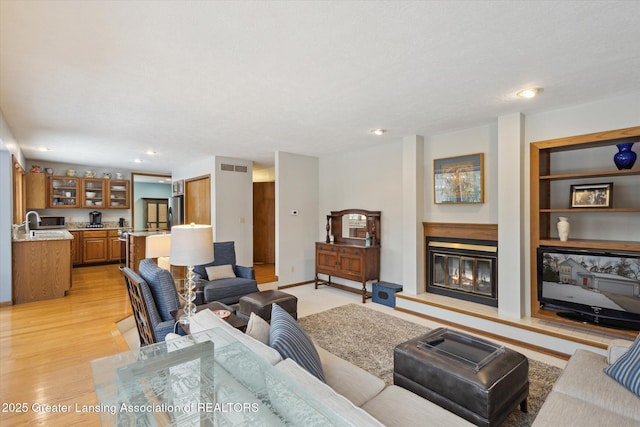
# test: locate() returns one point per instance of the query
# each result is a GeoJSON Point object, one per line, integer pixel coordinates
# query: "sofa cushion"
{"type": "Point", "coordinates": [205, 319]}
{"type": "Point", "coordinates": [258, 328]}
{"type": "Point", "coordinates": [338, 404]}
{"type": "Point", "coordinates": [162, 288]}
{"type": "Point", "coordinates": [560, 409]}
{"type": "Point", "coordinates": [396, 406]}
{"type": "Point", "coordinates": [229, 291]}
{"type": "Point", "coordinates": [584, 379]}
{"type": "Point", "coordinates": [216, 272]}
{"type": "Point", "coordinates": [292, 342]}
{"type": "Point", "coordinates": [349, 380]}
{"type": "Point", "coordinates": [626, 370]}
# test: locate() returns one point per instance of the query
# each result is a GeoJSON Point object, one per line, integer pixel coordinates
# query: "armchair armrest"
{"type": "Point", "coordinates": [245, 272]}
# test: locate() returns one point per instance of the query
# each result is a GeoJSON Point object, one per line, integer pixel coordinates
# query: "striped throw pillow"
{"type": "Point", "coordinates": [288, 338]}
{"type": "Point", "coordinates": [626, 370]}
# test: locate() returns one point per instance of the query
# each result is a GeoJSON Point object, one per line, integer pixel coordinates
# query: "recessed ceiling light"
{"type": "Point", "coordinates": [137, 160]}
{"type": "Point", "coordinates": [43, 149]}
{"type": "Point", "coordinates": [530, 92]}
{"type": "Point", "coordinates": [151, 152]}
{"type": "Point", "coordinates": [378, 131]}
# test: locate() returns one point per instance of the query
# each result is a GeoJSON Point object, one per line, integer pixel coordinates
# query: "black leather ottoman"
{"type": "Point", "coordinates": [484, 397]}
{"type": "Point", "coordinates": [260, 304]}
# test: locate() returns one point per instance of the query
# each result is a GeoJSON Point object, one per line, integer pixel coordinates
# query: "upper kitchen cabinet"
{"type": "Point", "coordinates": [118, 194]}
{"type": "Point", "coordinates": [93, 192]}
{"type": "Point", "coordinates": [35, 190]}
{"type": "Point", "coordinates": [64, 192]}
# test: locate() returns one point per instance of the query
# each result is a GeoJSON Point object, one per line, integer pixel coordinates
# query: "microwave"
{"type": "Point", "coordinates": [51, 222]}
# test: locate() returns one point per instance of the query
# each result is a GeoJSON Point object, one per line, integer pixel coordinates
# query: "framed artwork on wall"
{"type": "Point", "coordinates": [459, 179]}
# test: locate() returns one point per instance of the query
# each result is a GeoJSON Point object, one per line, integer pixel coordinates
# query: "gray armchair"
{"type": "Point", "coordinates": [227, 290]}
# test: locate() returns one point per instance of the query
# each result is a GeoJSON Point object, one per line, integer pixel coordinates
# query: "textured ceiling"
{"type": "Point", "coordinates": [101, 82]}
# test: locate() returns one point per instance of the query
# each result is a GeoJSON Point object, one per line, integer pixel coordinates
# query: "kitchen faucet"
{"type": "Point", "coordinates": [26, 220]}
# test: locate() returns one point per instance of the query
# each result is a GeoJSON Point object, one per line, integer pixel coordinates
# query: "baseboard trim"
{"type": "Point", "coordinates": [6, 304]}
{"type": "Point", "coordinates": [293, 285]}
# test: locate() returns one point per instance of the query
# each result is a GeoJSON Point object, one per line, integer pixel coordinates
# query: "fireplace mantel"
{"type": "Point", "coordinates": [462, 230]}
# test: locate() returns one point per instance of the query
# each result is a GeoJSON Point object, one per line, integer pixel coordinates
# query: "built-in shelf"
{"type": "Point", "coordinates": [596, 174]}
{"type": "Point", "coordinates": [542, 155]}
{"type": "Point", "coordinates": [598, 210]}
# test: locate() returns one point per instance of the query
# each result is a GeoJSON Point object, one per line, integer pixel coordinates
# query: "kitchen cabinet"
{"type": "Point", "coordinates": [35, 191]}
{"type": "Point", "coordinates": [76, 248]}
{"type": "Point", "coordinates": [137, 251]}
{"type": "Point", "coordinates": [115, 245]}
{"type": "Point", "coordinates": [118, 194]}
{"type": "Point", "coordinates": [94, 246]}
{"type": "Point", "coordinates": [64, 192]}
{"type": "Point", "coordinates": [93, 192]}
{"type": "Point", "coordinates": [41, 269]}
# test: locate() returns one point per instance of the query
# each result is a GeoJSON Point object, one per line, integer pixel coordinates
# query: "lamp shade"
{"type": "Point", "coordinates": [191, 244]}
{"type": "Point", "coordinates": [157, 245]}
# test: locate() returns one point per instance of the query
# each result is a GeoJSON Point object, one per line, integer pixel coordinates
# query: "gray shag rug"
{"type": "Point", "coordinates": [367, 337]}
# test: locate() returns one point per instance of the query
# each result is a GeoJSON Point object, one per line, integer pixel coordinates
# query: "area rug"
{"type": "Point", "coordinates": [367, 337]}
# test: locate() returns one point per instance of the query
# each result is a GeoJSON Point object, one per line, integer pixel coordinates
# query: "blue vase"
{"type": "Point", "coordinates": [625, 158]}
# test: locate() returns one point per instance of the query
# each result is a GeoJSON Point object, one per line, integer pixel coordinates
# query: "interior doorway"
{"type": "Point", "coordinates": [264, 229]}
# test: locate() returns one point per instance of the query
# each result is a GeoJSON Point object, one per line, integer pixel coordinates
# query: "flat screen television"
{"type": "Point", "coordinates": [597, 287]}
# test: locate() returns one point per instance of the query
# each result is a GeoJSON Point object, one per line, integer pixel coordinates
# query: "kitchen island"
{"type": "Point", "coordinates": [41, 267]}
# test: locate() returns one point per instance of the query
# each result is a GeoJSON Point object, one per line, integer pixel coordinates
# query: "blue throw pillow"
{"type": "Point", "coordinates": [288, 338]}
{"type": "Point", "coordinates": [626, 370]}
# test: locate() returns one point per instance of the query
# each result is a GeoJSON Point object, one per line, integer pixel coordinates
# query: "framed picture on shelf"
{"type": "Point", "coordinates": [592, 195]}
{"type": "Point", "coordinates": [459, 179]}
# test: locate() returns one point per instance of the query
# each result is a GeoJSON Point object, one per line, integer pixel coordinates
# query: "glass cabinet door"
{"type": "Point", "coordinates": [93, 193]}
{"type": "Point", "coordinates": [118, 194]}
{"type": "Point", "coordinates": [63, 192]}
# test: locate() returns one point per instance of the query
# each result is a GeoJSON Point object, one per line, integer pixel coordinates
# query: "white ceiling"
{"type": "Point", "coordinates": [100, 82]}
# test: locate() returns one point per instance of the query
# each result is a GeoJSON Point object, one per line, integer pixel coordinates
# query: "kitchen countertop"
{"type": "Point", "coordinates": [148, 233]}
{"type": "Point", "coordinates": [21, 236]}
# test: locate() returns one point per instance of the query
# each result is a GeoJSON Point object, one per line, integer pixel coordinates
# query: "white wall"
{"type": "Point", "coordinates": [482, 139]}
{"type": "Point", "coordinates": [233, 202]}
{"type": "Point", "coordinates": [367, 179]}
{"type": "Point", "coordinates": [296, 189]}
{"type": "Point", "coordinates": [8, 147]}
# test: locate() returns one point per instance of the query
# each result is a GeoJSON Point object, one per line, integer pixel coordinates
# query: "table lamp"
{"type": "Point", "coordinates": [191, 245]}
{"type": "Point", "coordinates": [158, 246]}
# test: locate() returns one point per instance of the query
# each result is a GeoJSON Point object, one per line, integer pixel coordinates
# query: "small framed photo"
{"type": "Point", "coordinates": [459, 179]}
{"type": "Point", "coordinates": [592, 195]}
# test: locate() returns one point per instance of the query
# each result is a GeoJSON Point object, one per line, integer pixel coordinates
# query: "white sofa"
{"type": "Point", "coordinates": [356, 396]}
{"type": "Point", "coordinates": [585, 396]}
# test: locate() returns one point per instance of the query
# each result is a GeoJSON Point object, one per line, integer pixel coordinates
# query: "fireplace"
{"type": "Point", "coordinates": [462, 265]}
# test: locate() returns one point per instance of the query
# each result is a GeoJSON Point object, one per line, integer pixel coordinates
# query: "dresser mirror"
{"type": "Point", "coordinates": [350, 226]}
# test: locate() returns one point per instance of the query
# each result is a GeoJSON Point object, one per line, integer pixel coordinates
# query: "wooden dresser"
{"type": "Point", "coordinates": [350, 258]}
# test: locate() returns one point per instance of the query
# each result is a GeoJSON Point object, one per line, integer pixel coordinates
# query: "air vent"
{"type": "Point", "coordinates": [233, 168]}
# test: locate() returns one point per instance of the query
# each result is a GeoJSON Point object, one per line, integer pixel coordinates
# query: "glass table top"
{"type": "Point", "coordinates": [205, 379]}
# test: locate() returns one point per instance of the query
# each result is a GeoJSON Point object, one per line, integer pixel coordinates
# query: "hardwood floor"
{"type": "Point", "coordinates": [46, 347]}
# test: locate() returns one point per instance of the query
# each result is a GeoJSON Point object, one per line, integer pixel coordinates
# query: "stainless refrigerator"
{"type": "Point", "coordinates": [176, 211]}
